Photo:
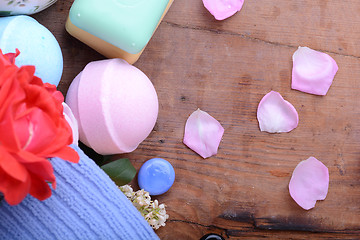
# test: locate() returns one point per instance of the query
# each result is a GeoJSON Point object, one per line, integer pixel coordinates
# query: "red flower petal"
{"type": "Point", "coordinates": [39, 189]}
{"type": "Point", "coordinates": [41, 129]}
{"type": "Point", "coordinates": [36, 96]}
{"type": "Point", "coordinates": [68, 154]}
{"type": "Point", "coordinates": [63, 136]}
{"type": "Point", "coordinates": [14, 191]}
{"type": "Point", "coordinates": [10, 93]}
{"type": "Point", "coordinates": [8, 138]}
{"type": "Point", "coordinates": [11, 56]}
{"type": "Point", "coordinates": [11, 166]}
{"type": "Point", "coordinates": [28, 157]}
{"type": "Point", "coordinates": [42, 169]}
{"type": "Point", "coordinates": [56, 94]}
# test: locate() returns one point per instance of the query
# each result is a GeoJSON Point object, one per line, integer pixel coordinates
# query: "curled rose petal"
{"type": "Point", "coordinates": [275, 114]}
{"type": "Point", "coordinates": [222, 9]}
{"type": "Point", "coordinates": [203, 133]}
{"type": "Point", "coordinates": [313, 72]}
{"type": "Point", "coordinates": [309, 183]}
{"type": "Point", "coordinates": [70, 118]}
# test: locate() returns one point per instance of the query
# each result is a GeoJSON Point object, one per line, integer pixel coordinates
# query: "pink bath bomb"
{"type": "Point", "coordinates": [115, 104]}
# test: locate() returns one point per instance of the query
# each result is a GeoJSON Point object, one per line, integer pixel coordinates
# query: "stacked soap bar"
{"type": "Point", "coordinates": [116, 28]}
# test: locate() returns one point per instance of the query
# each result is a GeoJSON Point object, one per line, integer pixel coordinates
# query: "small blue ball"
{"type": "Point", "coordinates": [156, 176]}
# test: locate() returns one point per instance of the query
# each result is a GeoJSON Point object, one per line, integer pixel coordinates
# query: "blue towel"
{"type": "Point", "coordinates": [85, 205]}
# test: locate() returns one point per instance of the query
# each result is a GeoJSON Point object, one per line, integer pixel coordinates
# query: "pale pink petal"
{"type": "Point", "coordinates": [313, 72]}
{"type": "Point", "coordinates": [222, 9]}
{"type": "Point", "coordinates": [276, 115]}
{"type": "Point", "coordinates": [70, 118]}
{"type": "Point", "coordinates": [309, 183]}
{"type": "Point", "coordinates": [203, 133]}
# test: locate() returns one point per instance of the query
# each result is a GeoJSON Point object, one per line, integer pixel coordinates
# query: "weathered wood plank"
{"type": "Point", "coordinates": [328, 25]}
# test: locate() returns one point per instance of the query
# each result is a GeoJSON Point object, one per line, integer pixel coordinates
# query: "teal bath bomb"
{"type": "Point", "coordinates": [37, 46]}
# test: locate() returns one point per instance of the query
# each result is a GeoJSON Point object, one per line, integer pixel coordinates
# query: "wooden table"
{"type": "Point", "coordinates": [225, 68]}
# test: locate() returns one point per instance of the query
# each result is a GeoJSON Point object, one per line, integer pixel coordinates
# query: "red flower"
{"type": "Point", "coordinates": [32, 129]}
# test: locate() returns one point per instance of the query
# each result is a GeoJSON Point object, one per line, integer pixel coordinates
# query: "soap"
{"type": "Point", "coordinates": [115, 105]}
{"type": "Point", "coordinates": [37, 46]}
{"type": "Point", "coordinates": [156, 176]}
{"type": "Point", "coordinates": [116, 28]}
{"type": "Point", "coordinates": [9, 7]}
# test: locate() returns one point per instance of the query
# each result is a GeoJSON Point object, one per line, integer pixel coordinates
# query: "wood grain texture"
{"type": "Point", "coordinates": [225, 68]}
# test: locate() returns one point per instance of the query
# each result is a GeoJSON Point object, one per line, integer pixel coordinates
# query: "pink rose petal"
{"type": "Point", "coordinates": [203, 133]}
{"type": "Point", "coordinates": [70, 118]}
{"type": "Point", "coordinates": [222, 9]}
{"type": "Point", "coordinates": [309, 183]}
{"type": "Point", "coordinates": [313, 71]}
{"type": "Point", "coordinates": [275, 114]}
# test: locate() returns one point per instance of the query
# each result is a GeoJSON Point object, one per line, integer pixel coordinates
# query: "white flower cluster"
{"type": "Point", "coordinates": [153, 212]}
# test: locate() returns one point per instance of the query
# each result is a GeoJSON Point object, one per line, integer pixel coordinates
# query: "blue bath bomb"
{"type": "Point", "coordinates": [156, 176]}
{"type": "Point", "coordinates": [37, 46]}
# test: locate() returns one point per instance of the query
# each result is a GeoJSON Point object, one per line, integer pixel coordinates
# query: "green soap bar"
{"type": "Point", "coordinates": [126, 24]}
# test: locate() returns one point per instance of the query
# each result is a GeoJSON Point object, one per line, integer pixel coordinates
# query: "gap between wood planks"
{"type": "Point", "coordinates": [198, 28]}
{"type": "Point", "coordinates": [253, 226]}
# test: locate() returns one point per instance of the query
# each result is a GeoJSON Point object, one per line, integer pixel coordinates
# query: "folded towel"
{"type": "Point", "coordinates": [85, 205]}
